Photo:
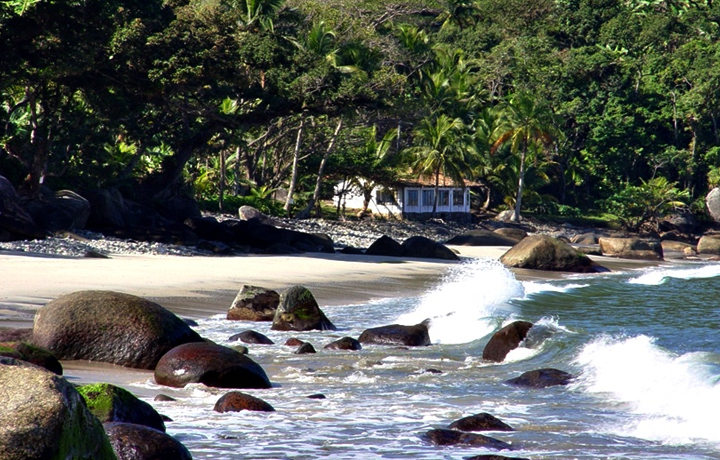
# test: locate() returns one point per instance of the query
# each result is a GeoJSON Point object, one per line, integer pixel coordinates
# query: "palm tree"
{"type": "Point", "coordinates": [257, 12]}
{"type": "Point", "coordinates": [441, 149]}
{"type": "Point", "coordinates": [527, 124]}
{"type": "Point", "coordinates": [377, 152]}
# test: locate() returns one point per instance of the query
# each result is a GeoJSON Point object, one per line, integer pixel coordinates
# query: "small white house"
{"type": "Point", "coordinates": [409, 199]}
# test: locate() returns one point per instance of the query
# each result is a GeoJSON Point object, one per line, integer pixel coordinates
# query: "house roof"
{"type": "Point", "coordinates": [424, 181]}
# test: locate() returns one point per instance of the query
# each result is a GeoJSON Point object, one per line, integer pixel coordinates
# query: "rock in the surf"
{"type": "Point", "coordinates": [631, 248]}
{"type": "Point", "coordinates": [346, 343]}
{"type": "Point", "coordinates": [254, 303]}
{"type": "Point", "coordinates": [396, 334]}
{"type": "Point", "coordinates": [139, 442]}
{"type": "Point", "coordinates": [32, 354]}
{"type": "Point", "coordinates": [236, 401]}
{"type": "Point", "coordinates": [305, 348]}
{"type": "Point", "coordinates": [505, 340]}
{"type": "Point", "coordinates": [493, 457]}
{"type": "Point", "coordinates": [110, 403]}
{"type": "Point", "coordinates": [252, 337]}
{"type": "Point", "coordinates": [42, 416]}
{"type": "Point", "coordinates": [480, 422]}
{"type": "Point", "coordinates": [542, 378]}
{"type": "Point", "coordinates": [109, 327]}
{"type": "Point", "coordinates": [444, 437]}
{"type": "Point", "coordinates": [299, 311]}
{"type": "Point", "coordinates": [209, 364]}
{"type": "Point", "coordinates": [543, 252]}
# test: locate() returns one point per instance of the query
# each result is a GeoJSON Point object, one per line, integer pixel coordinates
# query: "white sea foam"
{"type": "Point", "coordinates": [656, 276]}
{"type": "Point", "coordinates": [669, 398]}
{"type": "Point", "coordinates": [463, 307]}
{"type": "Point", "coordinates": [533, 287]}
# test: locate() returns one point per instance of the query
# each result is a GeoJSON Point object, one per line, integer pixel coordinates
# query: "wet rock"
{"type": "Point", "coordinates": [109, 327]}
{"type": "Point", "coordinates": [252, 337]}
{"type": "Point", "coordinates": [42, 416]}
{"type": "Point", "coordinates": [164, 398]}
{"type": "Point", "coordinates": [236, 401]}
{"type": "Point", "coordinates": [299, 311]}
{"type": "Point", "coordinates": [542, 252]}
{"type": "Point", "coordinates": [317, 396]}
{"type": "Point", "coordinates": [480, 422]}
{"type": "Point", "coordinates": [346, 343]}
{"type": "Point", "coordinates": [631, 248]}
{"type": "Point", "coordinates": [396, 334]}
{"type": "Point", "coordinates": [210, 364]}
{"type": "Point", "coordinates": [139, 442]}
{"type": "Point", "coordinates": [542, 378]}
{"type": "Point", "coordinates": [254, 303]}
{"type": "Point", "coordinates": [293, 342]}
{"type": "Point", "coordinates": [32, 354]}
{"type": "Point", "coordinates": [305, 348]}
{"type": "Point", "coordinates": [110, 403]}
{"type": "Point", "coordinates": [505, 340]}
{"type": "Point", "coordinates": [444, 437]}
{"type": "Point", "coordinates": [494, 457]}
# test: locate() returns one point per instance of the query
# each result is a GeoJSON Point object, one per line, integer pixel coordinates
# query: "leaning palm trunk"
{"type": "Point", "coordinates": [293, 179]}
{"type": "Point", "coordinates": [305, 213]}
{"type": "Point", "coordinates": [521, 185]}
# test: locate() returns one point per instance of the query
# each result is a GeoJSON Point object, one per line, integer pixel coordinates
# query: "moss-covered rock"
{"type": "Point", "coordinates": [299, 311]}
{"type": "Point", "coordinates": [32, 354]}
{"type": "Point", "coordinates": [111, 403]}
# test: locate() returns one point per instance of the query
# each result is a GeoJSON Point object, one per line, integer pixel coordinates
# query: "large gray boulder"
{"type": "Point", "coordinates": [43, 417]}
{"type": "Point", "coordinates": [712, 202]}
{"type": "Point", "coordinates": [542, 252]}
{"type": "Point", "coordinates": [254, 303]}
{"type": "Point", "coordinates": [709, 244]}
{"type": "Point", "coordinates": [299, 311]}
{"type": "Point", "coordinates": [109, 327]}
{"type": "Point", "coordinates": [631, 248]}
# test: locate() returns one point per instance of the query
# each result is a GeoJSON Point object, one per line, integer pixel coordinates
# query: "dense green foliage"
{"type": "Point", "coordinates": [560, 105]}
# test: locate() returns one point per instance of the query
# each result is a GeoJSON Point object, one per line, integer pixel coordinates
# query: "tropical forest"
{"type": "Point", "coordinates": [565, 108]}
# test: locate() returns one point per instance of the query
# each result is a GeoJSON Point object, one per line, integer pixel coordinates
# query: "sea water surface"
{"type": "Point", "coordinates": [644, 347]}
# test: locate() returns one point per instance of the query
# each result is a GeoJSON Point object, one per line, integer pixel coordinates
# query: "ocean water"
{"type": "Point", "coordinates": [644, 347]}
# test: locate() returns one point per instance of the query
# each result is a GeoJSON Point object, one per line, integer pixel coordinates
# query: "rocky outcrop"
{"type": "Point", "coordinates": [254, 303]}
{"type": "Point", "coordinates": [541, 378]}
{"type": "Point", "coordinates": [299, 311]}
{"type": "Point", "coordinates": [424, 248]}
{"type": "Point", "coordinates": [480, 422]}
{"type": "Point", "coordinates": [236, 401]}
{"type": "Point", "coordinates": [62, 210]}
{"type": "Point", "coordinates": [482, 238]}
{"type": "Point", "coordinates": [110, 403]}
{"type": "Point", "coordinates": [444, 437]}
{"type": "Point", "coordinates": [110, 327]}
{"type": "Point", "coordinates": [252, 337]}
{"type": "Point", "coordinates": [42, 416]}
{"type": "Point", "coordinates": [631, 248]}
{"type": "Point", "coordinates": [346, 343]}
{"type": "Point", "coordinates": [505, 340]}
{"type": "Point", "coordinates": [139, 442]}
{"type": "Point", "coordinates": [396, 334]}
{"type": "Point", "coordinates": [209, 364]}
{"type": "Point", "coordinates": [542, 252]}
{"type": "Point", "coordinates": [32, 354]}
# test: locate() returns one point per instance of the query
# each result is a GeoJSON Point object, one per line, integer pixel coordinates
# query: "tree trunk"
{"type": "Point", "coordinates": [521, 185]}
{"type": "Point", "coordinates": [435, 198]}
{"type": "Point", "coordinates": [305, 213]}
{"type": "Point", "coordinates": [221, 186]}
{"type": "Point", "coordinates": [40, 148]}
{"type": "Point", "coordinates": [185, 151]}
{"type": "Point", "coordinates": [293, 178]}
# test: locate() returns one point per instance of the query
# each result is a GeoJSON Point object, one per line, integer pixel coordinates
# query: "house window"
{"type": "Point", "coordinates": [427, 197]}
{"type": "Point", "coordinates": [385, 196]}
{"type": "Point", "coordinates": [412, 197]}
{"type": "Point", "coordinates": [443, 197]}
{"type": "Point", "coordinates": [458, 198]}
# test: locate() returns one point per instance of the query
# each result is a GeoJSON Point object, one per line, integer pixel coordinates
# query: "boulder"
{"type": "Point", "coordinates": [298, 311]}
{"type": "Point", "coordinates": [396, 334]}
{"type": "Point", "coordinates": [631, 248]}
{"type": "Point", "coordinates": [254, 303]}
{"type": "Point", "coordinates": [63, 210]}
{"type": "Point", "coordinates": [15, 222]}
{"type": "Point", "coordinates": [585, 238]}
{"type": "Point", "coordinates": [139, 442]}
{"type": "Point", "coordinates": [493, 457]}
{"type": "Point", "coordinates": [249, 213]}
{"type": "Point", "coordinates": [178, 208]}
{"type": "Point", "coordinates": [236, 401]}
{"type": "Point", "coordinates": [293, 342]}
{"type": "Point", "coordinates": [683, 222]}
{"type": "Point", "coordinates": [480, 422]}
{"type": "Point", "coordinates": [209, 364]}
{"type": "Point", "coordinates": [106, 208]}
{"type": "Point", "coordinates": [505, 340]}
{"type": "Point", "coordinates": [263, 236]}
{"type": "Point", "coordinates": [541, 378]}
{"type": "Point", "coordinates": [425, 248]}
{"type": "Point", "coordinates": [385, 246]}
{"type": "Point", "coordinates": [32, 354]}
{"type": "Point", "coordinates": [677, 246]}
{"type": "Point", "coordinates": [208, 228]}
{"type": "Point", "coordinates": [542, 252]}
{"type": "Point", "coordinates": [709, 244]}
{"type": "Point", "coordinates": [444, 437]}
{"type": "Point", "coordinates": [110, 403]}
{"type": "Point", "coordinates": [42, 416]}
{"type": "Point", "coordinates": [252, 337]}
{"type": "Point", "coordinates": [482, 238]}
{"type": "Point", "coordinates": [506, 216]}
{"type": "Point", "coordinates": [712, 202]}
{"type": "Point", "coordinates": [11, 334]}
{"type": "Point", "coordinates": [110, 327]}
{"type": "Point", "coordinates": [346, 343]}
{"type": "Point", "coordinates": [517, 234]}
{"type": "Point", "coordinates": [305, 348]}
